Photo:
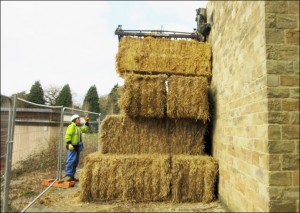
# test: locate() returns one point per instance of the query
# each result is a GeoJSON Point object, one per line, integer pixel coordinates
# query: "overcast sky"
{"type": "Point", "coordinates": [73, 42]}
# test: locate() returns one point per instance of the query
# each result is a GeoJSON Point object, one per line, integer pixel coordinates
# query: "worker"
{"type": "Point", "coordinates": [74, 145]}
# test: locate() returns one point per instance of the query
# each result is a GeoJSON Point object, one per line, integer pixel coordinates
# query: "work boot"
{"type": "Point", "coordinates": [67, 178]}
{"type": "Point", "coordinates": [75, 179]}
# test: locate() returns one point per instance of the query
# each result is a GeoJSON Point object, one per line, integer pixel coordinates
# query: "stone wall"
{"type": "Point", "coordinates": [255, 102]}
{"type": "Point", "coordinates": [282, 48]}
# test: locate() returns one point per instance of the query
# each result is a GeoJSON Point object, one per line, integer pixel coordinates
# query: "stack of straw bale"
{"type": "Point", "coordinates": [147, 96]}
{"type": "Point", "coordinates": [145, 177]}
{"type": "Point", "coordinates": [154, 151]}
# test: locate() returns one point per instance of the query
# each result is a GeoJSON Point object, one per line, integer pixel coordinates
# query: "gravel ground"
{"type": "Point", "coordinates": [66, 200]}
{"type": "Point", "coordinates": [24, 189]}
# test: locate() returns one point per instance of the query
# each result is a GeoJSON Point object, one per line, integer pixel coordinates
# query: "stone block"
{"type": "Point", "coordinates": [243, 167]}
{"type": "Point", "coordinates": [258, 118]}
{"type": "Point", "coordinates": [274, 105]}
{"type": "Point", "coordinates": [279, 67]}
{"type": "Point", "coordinates": [275, 162]}
{"type": "Point", "coordinates": [282, 51]}
{"type": "Point", "coordinates": [294, 93]}
{"type": "Point", "coordinates": [292, 36]}
{"type": "Point", "coordinates": [282, 206]}
{"type": "Point", "coordinates": [290, 105]}
{"type": "Point", "coordinates": [297, 146]}
{"type": "Point", "coordinates": [291, 193]}
{"type": "Point", "coordinates": [293, 7]}
{"type": "Point", "coordinates": [280, 178]}
{"type": "Point", "coordinates": [276, 7]}
{"type": "Point", "coordinates": [261, 202]}
{"type": "Point", "coordinates": [260, 131]}
{"type": "Point", "coordinates": [270, 20]}
{"type": "Point", "coordinates": [248, 155]}
{"type": "Point", "coordinates": [274, 132]}
{"type": "Point", "coordinates": [295, 178]}
{"type": "Point", "coordinates": [278, 93]}
{"type": "Point", "coordinates": [240, 185]}
{"type": "Point", "coordinates": [273, 80]}
{"type": "Point", "coordinates": [289, 80]}
{"type": "Point", "coordinates": [261, 145]}
{"type": "Point", "coordinates": [287, 21]}
{"type": "Point", "coordinates": [264, 161]}
{"type": "Point", "coordinates": [275, 193]}
{"type": "Point", "coordinates": [261, 175]}
{"type": "Point", "coordinates": [255, 158]}
{"type": "Point", "coordinates": [263, 190]}
{"type": "Point", "coordinates": [272, 53]}
{"type": "Point", "coordinates": [296, 67]}
{"type": "Point", "coordinates": [290, 162]}
{"type": "Point", "coordinates": [280, 147]}
{"type": "Point", "coordinates": [279, 118]}
{"type": "Point", "coordinates": [290, 132]}
{"type": "Point", "coordinates": [294, 118]}
{"type": "Point", "coordinates": [274, 36]}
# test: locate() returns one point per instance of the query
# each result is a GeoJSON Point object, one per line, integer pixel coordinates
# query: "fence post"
{"type": "Point", "coordinates": [8, 162]}
{"type": "Point", "coordinates": [60, 145]}
{"type": "Point", "coordinates": [99, 122]}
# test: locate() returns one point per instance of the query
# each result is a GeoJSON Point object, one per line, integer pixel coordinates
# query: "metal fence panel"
{"type": "Point", "coordinates": [34, 154]}
{"type": "Point", "coordinates": [39, 151]}
{"type": "Point", "coordinates": [7, 132]}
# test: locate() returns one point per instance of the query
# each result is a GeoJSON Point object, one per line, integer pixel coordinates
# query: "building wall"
{"type": "Point", "coordinates": [255, 97]}
{"type": "Point", "coordinates": [31, 138]}
{"type": "Point", "coordinates": [239, 89]}
{"type": "Point", "coordinates": [282, 48]}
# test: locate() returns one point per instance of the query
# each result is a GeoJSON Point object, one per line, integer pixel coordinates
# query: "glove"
{"type": "Point", "coordinates": [87, 119]}
{"type": "Point", "coordinates": [70, 147]}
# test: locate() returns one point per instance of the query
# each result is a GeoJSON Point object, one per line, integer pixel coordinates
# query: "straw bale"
{"type": "Point", "coordinates": [188, 98]}
{"type": "Point", "coordinates": [144, 95]}
{"type": "Point", "coordinates": [120, 134]}
{"type": "Point", "coordinates": [158, 55]}
{"type": "Point", "coordinates": [186, 136]}
{"type": "Point", "coordinates": [132, 178]}
{"type": "Point", "coordinates": [193, 178]}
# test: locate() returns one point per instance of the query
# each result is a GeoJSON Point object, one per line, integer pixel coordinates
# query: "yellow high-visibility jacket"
{"type": "Point", "coordinates": [73, 135]}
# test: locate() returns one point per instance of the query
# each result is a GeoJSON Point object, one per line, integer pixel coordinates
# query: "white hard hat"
{"type": "Point", "coordinates": [74, 117]}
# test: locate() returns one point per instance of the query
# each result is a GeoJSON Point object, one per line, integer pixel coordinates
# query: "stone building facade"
{"type": "Point", "coordinates": [255, 98]}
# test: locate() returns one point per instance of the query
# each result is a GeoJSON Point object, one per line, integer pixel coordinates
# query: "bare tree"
{"type": "Point", "coordinates": [51, 94]}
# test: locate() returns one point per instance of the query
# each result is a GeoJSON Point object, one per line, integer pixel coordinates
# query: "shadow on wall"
{"type": "Point", "coordinates": [210, 130]}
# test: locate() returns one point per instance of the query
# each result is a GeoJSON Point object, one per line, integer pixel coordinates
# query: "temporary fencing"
{"type": "Point", "coordinates": [7, 132]}
{"type": "Point", "coordinates": [35, 148]}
